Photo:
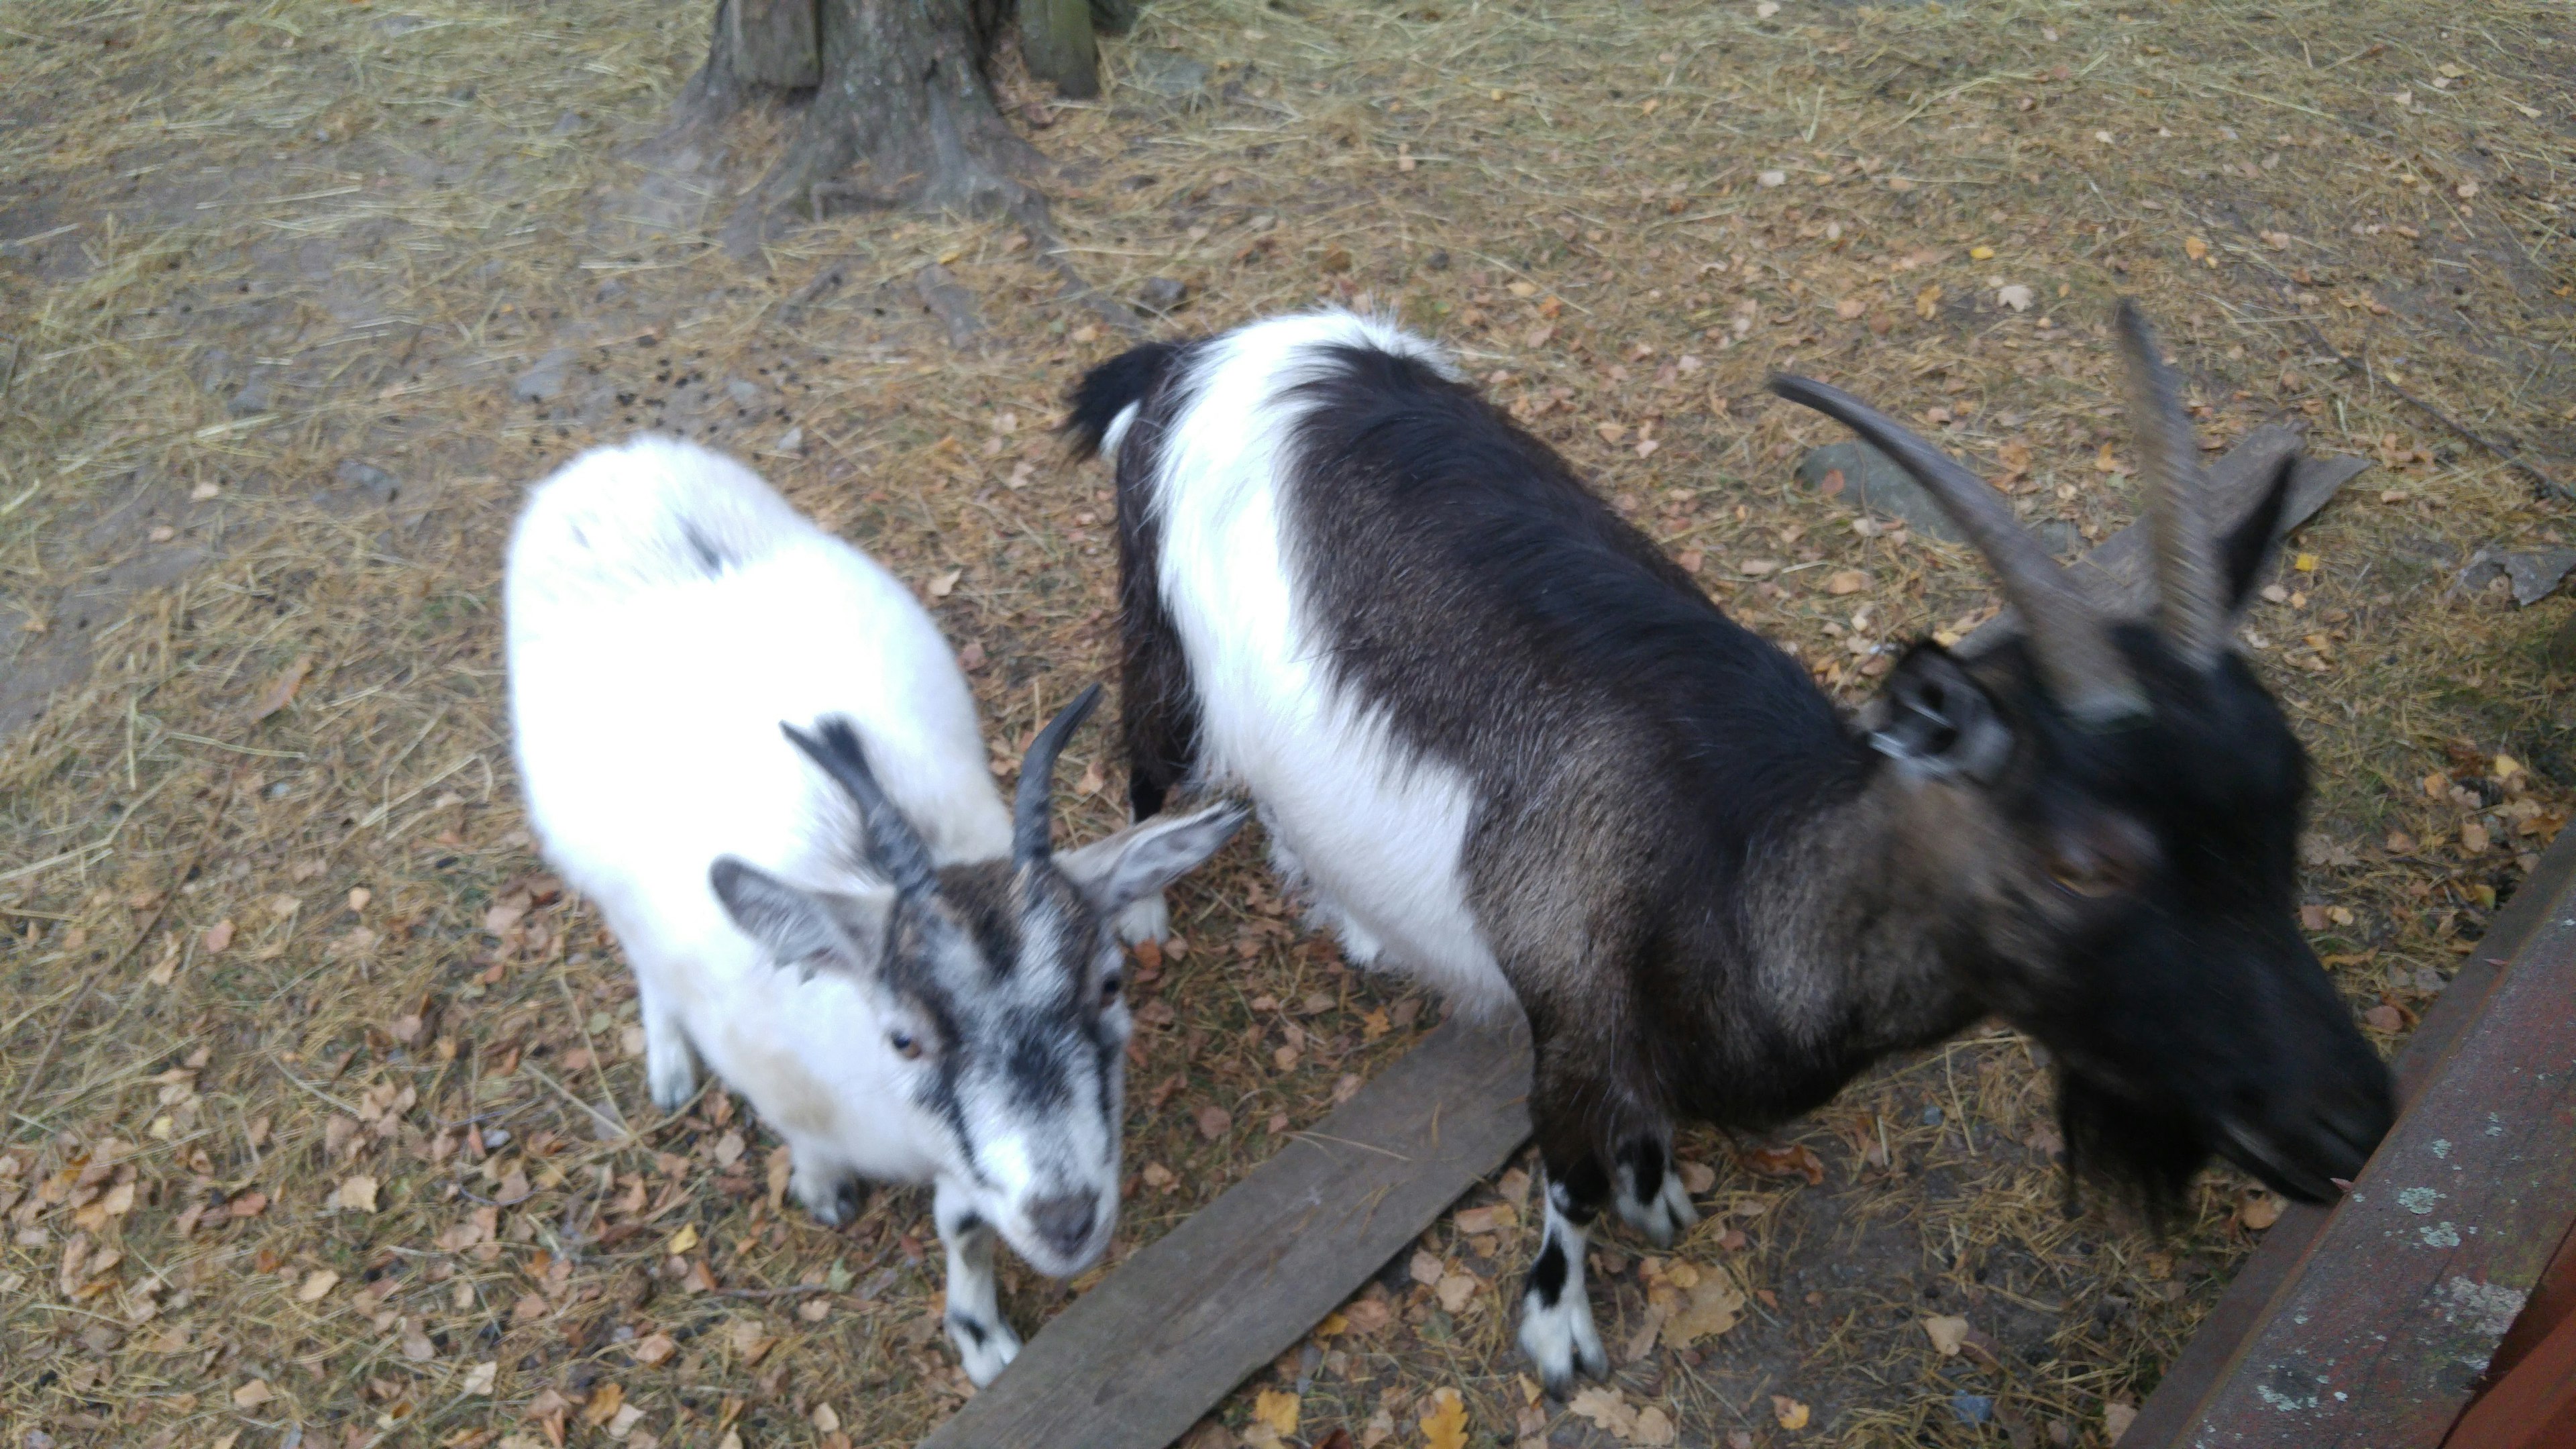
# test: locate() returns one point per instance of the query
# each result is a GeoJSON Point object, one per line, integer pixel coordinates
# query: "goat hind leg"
{"type": "Point", "coordinates": [1651, 1197]}
{"type": "Point", "coordinates": [985, 1343]}
{"type": "Point", "coordinates": [1557, 1331]}
{"type": "Point", "coordinates": [670, 1063]}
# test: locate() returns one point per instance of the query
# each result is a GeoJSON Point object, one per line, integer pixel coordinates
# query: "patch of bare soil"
{"type": "Point", "coordinates": [326, 1114]}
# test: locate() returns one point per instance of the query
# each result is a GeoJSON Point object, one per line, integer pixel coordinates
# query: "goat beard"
{"type": "Point", "coordinates": [2140, 1155]}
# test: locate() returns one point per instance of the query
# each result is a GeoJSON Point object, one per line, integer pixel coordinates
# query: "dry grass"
{"type": "Point", "coordinates": [271, 266]}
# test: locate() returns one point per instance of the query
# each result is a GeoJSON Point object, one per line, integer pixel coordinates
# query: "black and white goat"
{"type": "Point", "coordinates": [842, 920]}
{"type": "Point", "coordinates": [1511, 749]}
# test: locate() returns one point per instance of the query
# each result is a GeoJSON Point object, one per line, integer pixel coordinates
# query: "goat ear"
{"type": "Point", "coordinates": [2249, 547]}
{"type": "Point", "coordinates": [800, 928]}
{"type": "Point", "coordinates": [1936, 721]}
{"type": "Point", "coordinates": [1122, 869]}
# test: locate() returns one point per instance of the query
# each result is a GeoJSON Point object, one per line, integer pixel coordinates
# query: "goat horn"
{"type": "Point", "coordinates": [2192, 607]}
{"type": "Point", "coordinates": [2076, 658]}
{"type": "Point", "coordinates": [892, 846]}
{"type": "Point", "coordinates": [1034, 807]}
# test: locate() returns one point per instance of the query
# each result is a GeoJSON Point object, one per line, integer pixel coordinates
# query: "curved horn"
{"type": "Point", "coordinates": [2191, 596]}
{"type": "Point", "coordinates": [2076, 659]}
{"type": "Point", "coordinates": [892, 845]}
{"type": "Point", "coordinates": [1033, 808]}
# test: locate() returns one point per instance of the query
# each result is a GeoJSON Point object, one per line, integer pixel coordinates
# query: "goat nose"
{"type": "Point", "coordinates": [1064, 1220]}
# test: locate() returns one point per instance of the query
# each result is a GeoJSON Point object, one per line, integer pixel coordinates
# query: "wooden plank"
{"type": "Point", "coordinates": [2196, 1372]}
{"type": "Point", "coordinates": [775, 43]}
{"type": "Point", "coordinates": [2118, 571]}
{"type": "Point", "coordinates": [2380, 1332]}
{"type": "Point", "coordinates": [1135, 1361]}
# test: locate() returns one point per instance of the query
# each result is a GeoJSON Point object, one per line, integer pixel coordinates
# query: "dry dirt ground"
{"type": "Point", "coordinates": [325, 1123]}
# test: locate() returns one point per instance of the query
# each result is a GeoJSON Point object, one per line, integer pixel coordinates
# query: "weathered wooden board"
{"type": "Point", "coordinates": [2195, 1372]}
{"type": "Point", "coordinates": [2118, 570]}
{"type": "Point", "coordinates": [2530, 1400]}
{"type": "Point", "coordinates": [1134, 1362]}
{"type": "Point", "coordinates": [2388, 1314]}
{"type": "Point", "coordinates": [775, 42]}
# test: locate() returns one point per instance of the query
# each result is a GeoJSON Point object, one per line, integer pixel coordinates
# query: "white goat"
{"type": "Point", "coordinates": [901, 977]}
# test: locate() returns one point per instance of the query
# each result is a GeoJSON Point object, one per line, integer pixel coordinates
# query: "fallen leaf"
{"type": "Point", "coordinates": [2383, 1017]}
{"type": "Point", "coordinates": [1604, 1406]}
{"type": "Point", "coordinates": [2473, 837]}
{"type": "Point", "coordinates": [317, 1286]}
{"type": "Point", "coordinates": [219, 937]}
{"type": "Point", "coordinates": [1927, 301]}
{"type": "Point", "coordinates": [1698, 1177]}
{"type": "Point", "coordinates": [356, 1194]}
{"type": "Point", "coordinates": [652, 1349]}
{"type": "Point", "coordinates": [1773, 178]}
{"type": "Point", "coordinates": [1654, 1427]}
{"type": "Point", "coordinates": [683, 1240]}
{"type": "Point", "coordinates": [415, 1344]}
{"type": "Point", "coordinates": [2194, 248]}
{"type": "Point", "coordinates": [605, 1401]}
{"type": "Point", "coordinates": [281, 690]}
{"type": "Point", "coordinates": [1487, 1219]}
{"type": "Point", "coordinates": [1276, 1409]}
{"type": "Point", "coordinates": [253, 1394]}
{"type": "Point", "coordinates": [2116, 1419]}
{"type": "Point", "coordinates": [2312, 918]}
{"type": "Point", "coordinates": [1444, 1424]}
{"type": "Point", "coordinates": [1212, 1121]}
{"type": "Point", "coordinates": [248, 1205]}
{"type": "Point", "coordinates": [942, 585]}
{"type": "Point", "coordinates": [1947, 1333]}
{"type": "Point", "coordinates": [1794, 1160]}
{"type": "Point", "coordinates": [1426, 1268]}
{"type": "Point", "coordinates": [1367, 1315]}
{"type": "Point", "coordinates": [2016, 296]}
{"type": "Point", "coordinates": [625, 1420]}
{"type": "Point", "coordinates": [729, 1149]}
{"type": "Point", "coordinates": [1714, 1305]}
{"type": "Point", "coordinates": [479, 1379]}
{"type": "Point", "coordinates": [1455, 1291]}
{"type": "Point", "coordinates": [1850, 307]}
{"type": "Point", "coordinates": [2260, 1211]}
{"type": "Point", "coordinates": [1791, 1413]}
{"type": "Point", "coordinates": [1849, 581]}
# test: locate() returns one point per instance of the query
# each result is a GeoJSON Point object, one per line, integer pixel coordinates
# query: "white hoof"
{"type": "Point", "coordinates": [983, 1349]}
{"type": "Point", "coordinates": [1560, 1340]}
{"type": "Point", "coordinates": [824, 1194]}
{"type": "Point", "coordinates": [1148, 919]}
{"type": "Point", "coordinates": [1664, 1219]}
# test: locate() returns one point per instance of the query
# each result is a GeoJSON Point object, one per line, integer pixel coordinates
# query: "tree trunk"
{"type": "Point", "coordinates": [903, 96]}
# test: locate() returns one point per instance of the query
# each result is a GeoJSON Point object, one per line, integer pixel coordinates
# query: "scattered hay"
{"type": "Point", "coordinates": [345, 1129]}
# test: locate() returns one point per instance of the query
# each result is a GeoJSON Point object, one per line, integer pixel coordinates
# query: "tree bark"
{"type": "Point", "coordinates": [1056, 44]}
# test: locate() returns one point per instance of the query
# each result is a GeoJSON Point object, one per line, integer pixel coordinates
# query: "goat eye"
{"type": "Point", "coordinates": [905, 1045]}
{"type": "Point", "coordinates": [1109, 985]}
{"type": "Point", "coordinates": [2087, 875]}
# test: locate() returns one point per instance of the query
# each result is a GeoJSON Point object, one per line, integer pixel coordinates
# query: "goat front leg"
{"type": "Point", "coordinates": [1556, 1318]}
{"type": "Point", "coordinates": [985, 1343]}
{"type": "Point", "coordinates": [670, 1064]}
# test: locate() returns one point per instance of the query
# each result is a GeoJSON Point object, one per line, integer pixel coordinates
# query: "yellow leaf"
{"type": "Point", "coordinates": [2305, 563]}
{"type": "Point", "coordinates": [685, 1239]}
{"type": "Point", "coordinates": [1790, 1413]}
{"type": "Point", "coordinates": [357, 1194]}
{"type": "Point", "coordinates": [1983, 254]}
{"type": "Point", "coordinates": [1444, 1426]}
{"type": "Point", "coordinates": [2194, 248]}
{"type": "Point", "coordinates": [1714, 1305]}
{"type": "Point", "coordinates": [604, 1403]}
{"type": "Point", "coordinates": [1333, 1323]}
{"type": "Point", "coordinates": [1927, 301]}
{"type": "Point", "coordinates": [1276, 1409]}
{"type": "Point", "coordinates": [317, 1286]}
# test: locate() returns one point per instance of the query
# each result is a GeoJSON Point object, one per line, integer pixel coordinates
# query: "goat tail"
{"type": "Point", "coordinates": [1105, 402]}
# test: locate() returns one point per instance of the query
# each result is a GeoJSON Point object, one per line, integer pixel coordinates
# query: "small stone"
{"type": "Point", "coordinates": [545, 380]}
{"type": "Point", "coordinates": [254, 397]}
{"type": "Point", "coordinates": [1931, 1116]}
{"type": "Point", "coordinates": [1162, 294]}
{"type": "Point", "coordinates": [744, 392]}
{"type": "Point", "coordinates": [1438, 261]}
{"type": "Point", "coordinates": [1872, 481]}
{"type": "Point", "coordinates": [369, 479]}
{"type": "Point", "coordinates": [1972, 1408]}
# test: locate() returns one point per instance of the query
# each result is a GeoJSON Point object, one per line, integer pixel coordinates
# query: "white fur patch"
{"type": "Point", "coordinates": [1374, 834]}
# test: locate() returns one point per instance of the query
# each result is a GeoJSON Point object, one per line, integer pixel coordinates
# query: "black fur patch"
{"type": "Point", "coordinates": [1547, 1275]}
